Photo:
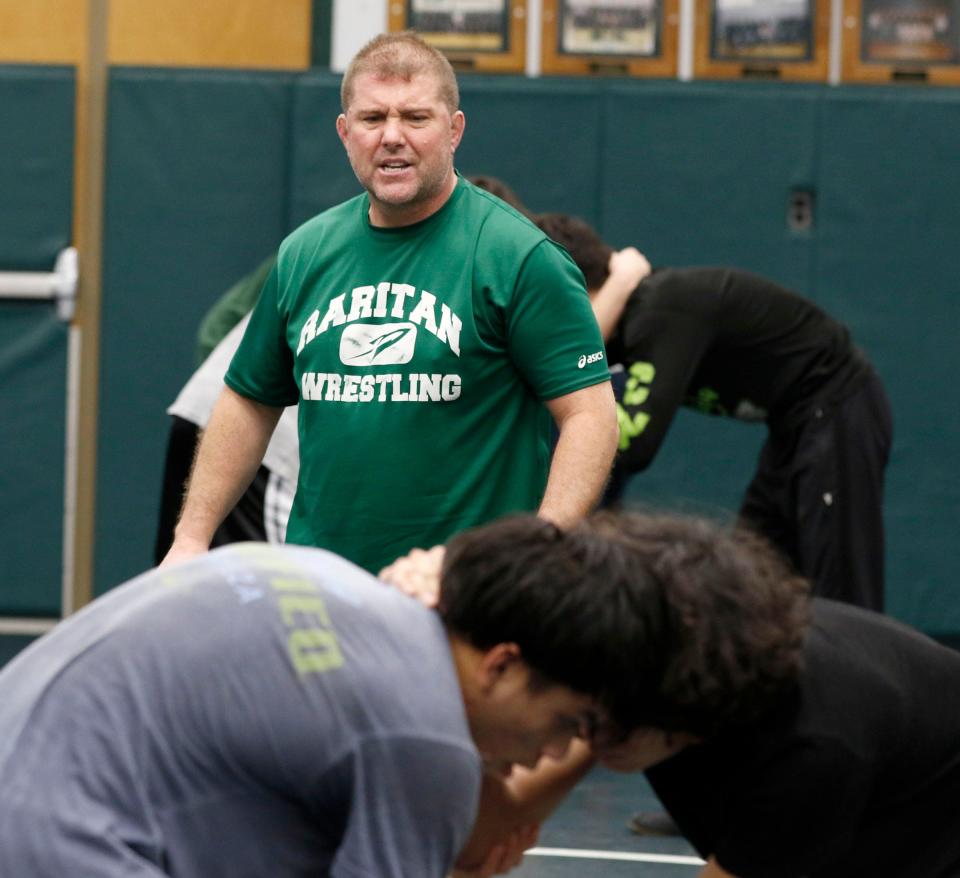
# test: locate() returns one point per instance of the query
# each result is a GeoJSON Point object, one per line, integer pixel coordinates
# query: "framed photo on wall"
{"type": "Point", "coordinates": [902, 40]}
{"type": "Point", "coordinates": [488, 36]}
{"type": "Point", "coordinates": [762, 39]}
{"type": "Point", "coordinates": [626, 37]}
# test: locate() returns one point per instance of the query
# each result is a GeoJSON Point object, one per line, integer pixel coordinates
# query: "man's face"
{"type": "Point", "coordinates": [516, 723]}
{"type": "Point", "coordinates": [400, 138]}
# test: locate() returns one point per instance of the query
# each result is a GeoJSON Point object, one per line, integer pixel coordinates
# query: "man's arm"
{"type": "Point", "coordinates": [227, 458]}
{"type": "Point", "coordinates": [627, 268]}
{"type": "Point", "coordinates": [587, 421]}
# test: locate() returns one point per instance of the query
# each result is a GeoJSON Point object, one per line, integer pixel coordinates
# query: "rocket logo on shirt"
{"type": "Point", "coordinates": [365, 343]}
{"type": "Point", "coordinates": [378, 344]}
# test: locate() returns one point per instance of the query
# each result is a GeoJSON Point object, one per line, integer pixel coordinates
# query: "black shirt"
{"type": "Point", "coordinates": [725, 342]}
{"type": "Point", "coordinates": [858, 775]}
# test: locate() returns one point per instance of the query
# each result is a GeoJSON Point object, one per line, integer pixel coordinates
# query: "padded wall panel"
{"type": "Point", "coordinates": [195, 198]}
{"type": "Point", "coordinates": [700, 174]}
{"type": "Point", "coordinates": [320, 175]}
{"type": "Point", "coordinates": [36, 165]}
{"type": "Point", "coordinates": [887, 264]}
{"type": "Point", "coordinates": [36, 204]}
{"type": "Point", "coordinates": [539, 136]}
{"type": "Point", "coordinates": [33, 364]}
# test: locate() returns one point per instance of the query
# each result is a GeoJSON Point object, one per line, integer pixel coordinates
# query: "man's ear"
{"type": "Point", "coordinates": [496, 662]}
{"type": "Point", "coordinates": [342, 128]}
{"type": "Point", "coordinates": [458, 124]}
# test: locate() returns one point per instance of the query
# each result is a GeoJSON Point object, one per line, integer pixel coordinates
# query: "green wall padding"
{"type": "Point", "coordinates": [321, 33]}
{"type": "Point", "coordinates": [36, 165]}
{"type": "Point", "coordinates": [700, 173]}
{"type": "Point", "coordinates": [33, 387]}
{"type": "Point", "coordinates": [36, 204]}
{"type": "Point", "coordinates": [196, 197]}
{"type": "Point", "coordinates": [540, 136]}
{"type": "Point", "coordinates": [320, 175]}
{"type": "Point", "coordinates": [887, 264]}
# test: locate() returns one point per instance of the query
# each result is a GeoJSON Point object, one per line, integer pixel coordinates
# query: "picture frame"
{"type": "Point", "coordinates": [909, 41]}
{"type": "Point", "coordinates": [762, 39]}
{"type": "Point", "coordinates": [486, 36]}
{"type": "Point", "coordinates": [610, 37]}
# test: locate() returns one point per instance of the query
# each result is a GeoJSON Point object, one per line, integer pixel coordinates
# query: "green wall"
{"type": "Point", "coordinates": [36, 204]}
{"type": "Point", "coordinates": [196, 196]}
{"type": "Point", "coordinates": [207, 171]}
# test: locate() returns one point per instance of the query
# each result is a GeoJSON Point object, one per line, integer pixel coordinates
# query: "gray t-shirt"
{"type": "Point", "coordinates": [257, 711]}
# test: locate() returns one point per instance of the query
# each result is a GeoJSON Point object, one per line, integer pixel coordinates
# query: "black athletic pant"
{"type": "Point", "coordinates": [818, 495]}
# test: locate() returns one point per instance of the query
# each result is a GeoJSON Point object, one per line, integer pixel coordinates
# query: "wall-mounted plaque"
{"type": "Point", "coordinates": [627, 37]}
{"type": "Point", "coordinates": [775, 39]}
{"type": "Point", "coordinates": [902, 40]}
{"type": "Point", "coordinates": [482, 35]}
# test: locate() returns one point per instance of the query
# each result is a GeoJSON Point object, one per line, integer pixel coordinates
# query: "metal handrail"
{"type": "Point", "coordinates": [60, 285]}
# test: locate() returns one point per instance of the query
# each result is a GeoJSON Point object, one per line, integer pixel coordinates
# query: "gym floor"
{"type": "Point", "coordinates": [588, 835]}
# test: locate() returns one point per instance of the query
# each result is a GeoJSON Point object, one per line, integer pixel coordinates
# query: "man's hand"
{"type": "Point", "coordinates": [504, 856]}
{"type": "Point", "coordinates": [183, 549]}
{"type": "Point", "coordinates": [230, 450]}
{"type": "Point", "coordinates": [417, 574]}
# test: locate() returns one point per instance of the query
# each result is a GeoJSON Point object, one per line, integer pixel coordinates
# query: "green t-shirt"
{"type": "Point", "coordinates": [421, 357]}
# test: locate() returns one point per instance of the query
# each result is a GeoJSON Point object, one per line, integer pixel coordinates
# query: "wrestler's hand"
{"type": "Point", "coordinates": [417, 574]}
{"type": "Point", "coordinates": [628, 267]}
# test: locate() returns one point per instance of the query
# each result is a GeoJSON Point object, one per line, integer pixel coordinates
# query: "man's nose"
{"type": "Point", "coordinates": [393, 131]}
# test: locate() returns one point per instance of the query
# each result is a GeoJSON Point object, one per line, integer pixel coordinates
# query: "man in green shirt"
{"type": "Point", "coordinates": [427, 331]}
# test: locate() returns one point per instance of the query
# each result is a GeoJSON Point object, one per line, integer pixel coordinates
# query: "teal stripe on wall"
{"type": "Point", "coordinates": [322, 33]}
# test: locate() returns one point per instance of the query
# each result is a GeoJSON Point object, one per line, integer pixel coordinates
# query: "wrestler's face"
{"type": "Point", "coordinates": [400, 137]}
{"type": "Point", "coordinates": [516, 720]}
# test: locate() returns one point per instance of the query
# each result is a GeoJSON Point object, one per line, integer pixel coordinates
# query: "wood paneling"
{"type": "Point", "coordinates": [42, 31]}
{"type": "Point", "coordinates": [214, 33]}
{"type": "Point", "coordinates": [270, 34]}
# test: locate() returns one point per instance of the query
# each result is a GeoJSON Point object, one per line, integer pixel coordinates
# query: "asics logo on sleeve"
{"type": "Point", "coordinates": [587, 359]}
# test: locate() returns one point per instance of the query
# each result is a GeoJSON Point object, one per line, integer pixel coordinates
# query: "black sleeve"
{"type": "Point", "coordinates": [662, 347]}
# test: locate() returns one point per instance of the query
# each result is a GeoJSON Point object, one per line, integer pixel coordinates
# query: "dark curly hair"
{"type": "Point", "coordinates": [581, 241]}
{"type": "Point", "coordinates": [736, 622]}
{"type": "Point", "coordinates": [671, 622]}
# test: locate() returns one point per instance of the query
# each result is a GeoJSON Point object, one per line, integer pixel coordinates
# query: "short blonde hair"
{"type": "Point", "coordinates": [402, 55]}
